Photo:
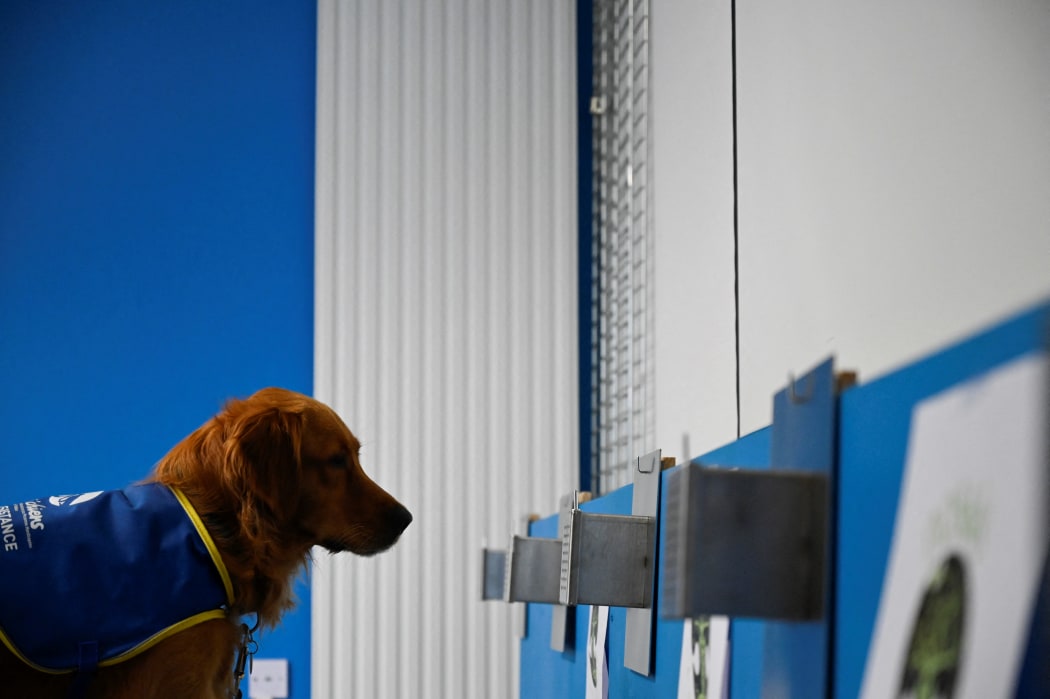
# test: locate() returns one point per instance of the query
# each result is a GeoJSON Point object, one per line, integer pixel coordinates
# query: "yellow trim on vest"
{"type": "Point", "coordinates": [128, 654]}
{"type": "Point", "coordinates": [206, 538]}
{"type": "Point", "coordinates": [18, 654]}
{"type": "Point", "coordinates": [166, 633]}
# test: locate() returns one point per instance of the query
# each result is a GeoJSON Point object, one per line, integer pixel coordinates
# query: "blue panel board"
{"type": "Point", "coordinates": [746, 636]}
{"type": "Point", "coordinates": [544, 672]}
{"type": "Point", "coordinates": [874, 425]}
{"type": "Point", "coordinates": [750, 451]}
{"type": "Point", "coordinates": [796, 653]}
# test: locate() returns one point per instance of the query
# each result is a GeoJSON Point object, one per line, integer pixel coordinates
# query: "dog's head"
{"type": "Point", "coordinates": [305, 465]}
{"type": "Point", "coordinates": [291, 465]}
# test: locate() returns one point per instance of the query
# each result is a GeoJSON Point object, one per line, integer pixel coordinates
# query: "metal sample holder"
{"type": "Point", "coordinates": [610, 560]}
{"type": "Point", "coordinates": [493, 572]}
{"type": "Point", "coordinates": [533, 566]}
{"type": "Point", "coordinates": [745, 543]}
{"type": "Point", "coordinates": [530, 572]}
{"type": "Point", "coordinates": [760, 543]}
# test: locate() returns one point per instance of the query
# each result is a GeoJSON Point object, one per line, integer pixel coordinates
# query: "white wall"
{"type": "Point", "coordinates": [693, 226]}
{"type": "Point", "coordinates": [446, 320]}
{"type": "Point", "coordinates": [894, 186]}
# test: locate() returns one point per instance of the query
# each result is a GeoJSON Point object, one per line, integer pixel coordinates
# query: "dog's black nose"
{"type": "Point", "coordinates": [400, 518]}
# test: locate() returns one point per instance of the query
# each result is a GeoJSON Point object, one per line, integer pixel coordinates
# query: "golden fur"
{"type": "Point", "coordinates": [271, 476]}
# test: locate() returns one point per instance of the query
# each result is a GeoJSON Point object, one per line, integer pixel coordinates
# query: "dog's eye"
{"type": "Point", "coordinates": [338, 461]}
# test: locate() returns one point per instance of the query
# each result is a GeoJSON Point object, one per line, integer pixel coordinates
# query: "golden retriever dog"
{"type": "Point", "coordinates": [270, 477]}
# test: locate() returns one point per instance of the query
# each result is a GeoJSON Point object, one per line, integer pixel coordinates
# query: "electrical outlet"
{"type": "Point", "coordinates": [269, 679]}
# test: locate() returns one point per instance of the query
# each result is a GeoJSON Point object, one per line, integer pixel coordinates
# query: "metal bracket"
{"type": "Point", "coordinates": [532, 570]}
{"type": "Point", "coordinates": [745, 543]}
{"type": "Point", "coordinates": [610, 560]}
{"type": "Point", "coordinates": [493, 572]}
{"type": "Point", "coordinates": [560, 613]}
{"type": "Point", "coordinates": [638, 642]}
{"type": "Point", "coordinates": [607, 560]}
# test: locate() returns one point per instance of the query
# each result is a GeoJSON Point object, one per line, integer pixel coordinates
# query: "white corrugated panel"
{"type": "Point", "coordinates": [446, 320]}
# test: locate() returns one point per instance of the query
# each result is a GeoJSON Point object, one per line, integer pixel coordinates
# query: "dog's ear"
{"type": "Point", "coordinates": [263, 458]}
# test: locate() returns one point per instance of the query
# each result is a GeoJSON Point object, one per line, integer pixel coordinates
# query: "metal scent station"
{"type": "Point", "coordinates": [598, 559]}
{"type": "Point", "coordinates": [610, 560]}
{"type": "Point", "coordinates": [493, 572]}
{"type": "Point", "coordinates": [530, 571]}
{"type": "Point", "coordinates": [745, 543]}
{"type": "Point", "coordinates": [757, 543]}
{"type": "Point", "coordinates": [525, 572]}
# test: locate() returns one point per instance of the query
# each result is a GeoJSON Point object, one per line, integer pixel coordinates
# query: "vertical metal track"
{"type": "Point", "coordinates": [622, 230]}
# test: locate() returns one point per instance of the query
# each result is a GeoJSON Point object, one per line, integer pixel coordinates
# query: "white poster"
{"type": "Point", "coordinates": [597, 661]}
{"type": "Point", "coordinates": [970, 538]}
{"type": "Point", "coordinates": [704, 669]}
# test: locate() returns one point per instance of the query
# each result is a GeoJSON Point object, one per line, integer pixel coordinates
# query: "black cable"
{"type": "Point", "coordinates": [736, 219]}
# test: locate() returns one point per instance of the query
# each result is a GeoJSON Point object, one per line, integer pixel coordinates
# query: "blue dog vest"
{"type": "Point", "coordinates": [100, 577]}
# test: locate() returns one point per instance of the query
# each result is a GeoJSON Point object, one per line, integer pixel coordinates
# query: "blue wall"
{"type": "Point", "coordinates": [156, 234]}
